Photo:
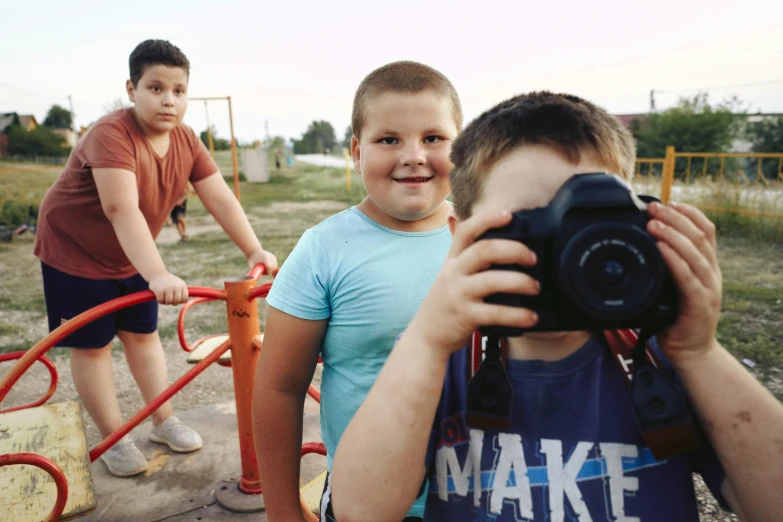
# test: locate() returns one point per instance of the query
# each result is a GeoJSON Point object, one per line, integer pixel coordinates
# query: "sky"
{"type": "Point", "coordinates": [289, 62]}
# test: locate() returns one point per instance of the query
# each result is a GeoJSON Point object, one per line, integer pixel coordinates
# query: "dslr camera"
{"type": "Point", "coordinates": [598, 267]}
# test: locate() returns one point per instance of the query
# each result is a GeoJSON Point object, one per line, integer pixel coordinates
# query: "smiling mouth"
{"type": "Point", "coordinates": [413, 181]}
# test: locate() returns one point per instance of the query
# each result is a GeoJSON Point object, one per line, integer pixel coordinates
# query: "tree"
{"type": "Point", "coordinates": [40, 141]}
{"type": "Point", "coordinates": [347, 138]}
{"type": "Point", "coordinates": [278, 142]}
{"type": "Point", "coordinates": [692, 126]}
{"type": "Point", "coordinates": [58, 118]}
{"type": "Point", "coordinates": [217, 143]}
{"type": "Point", "coordinates": [14, 122]}
{"type": "Point", "coordinates": [766, 135]}
{"type": "Point", "coordinates": [319, 136]}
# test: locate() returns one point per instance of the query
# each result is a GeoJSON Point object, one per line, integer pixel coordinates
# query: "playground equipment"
{"type": "Point", "coordinates": [52, 436]}
{"type": "Point", "coordinates": [233, 139]}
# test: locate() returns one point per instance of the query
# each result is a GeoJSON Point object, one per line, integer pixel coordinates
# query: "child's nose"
{"type": "Point", "coordinates": [412, 155]}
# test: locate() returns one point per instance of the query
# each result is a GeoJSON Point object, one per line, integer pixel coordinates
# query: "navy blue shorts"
{"type": "Point", "coordinates": [178, 210]}
{"type": "Point", "coordinates": [68, 295]}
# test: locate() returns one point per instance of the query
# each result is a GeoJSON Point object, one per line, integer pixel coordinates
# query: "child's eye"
{"type": "Point", "coordinates": [432, 139]}
{"type": "Point", "coordinates": [388, 141]}
{"type": "Point", "coordinates": [179, 92]}
{"type": "Point", "coordinates": [156, 88]}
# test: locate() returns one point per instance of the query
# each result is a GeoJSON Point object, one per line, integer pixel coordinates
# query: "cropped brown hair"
{"type": "Point", "coordinates": [568, 124]}
{"type": "Point", "coordinates": [402, 77]}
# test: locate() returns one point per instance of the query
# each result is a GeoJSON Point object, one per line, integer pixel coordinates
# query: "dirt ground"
{"type": "Point", "coordinates": [280, 224]}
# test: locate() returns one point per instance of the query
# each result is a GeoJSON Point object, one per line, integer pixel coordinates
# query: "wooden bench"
{"type": "Point", "coordinates": [311, 493]}
{"type": "Point", "coordinates": [207, 345]}
{"type": "Point", "coordinates": [55, 431]}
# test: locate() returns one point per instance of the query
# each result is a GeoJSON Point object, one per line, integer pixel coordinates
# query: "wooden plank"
{"type": "Point", "coordinates": [55, 431]}
{"type": "Point", "coordinates": [311, 492]}
{"type": "Point", "coordinates": [208, 345]}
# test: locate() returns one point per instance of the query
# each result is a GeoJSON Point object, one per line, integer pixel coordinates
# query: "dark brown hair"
{"type": "Point", "coordinates": [568, 124]}
{"type": "Point", "coordinates": [155, 52]}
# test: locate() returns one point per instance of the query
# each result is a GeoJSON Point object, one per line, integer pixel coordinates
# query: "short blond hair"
{"type": "Point", "coordinates": [402, 77]}
{"type": "Point", "coordinates": [569, 125]}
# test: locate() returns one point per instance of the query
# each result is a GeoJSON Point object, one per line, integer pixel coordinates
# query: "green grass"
{"type": "Point", "coordinates": [298, 197]}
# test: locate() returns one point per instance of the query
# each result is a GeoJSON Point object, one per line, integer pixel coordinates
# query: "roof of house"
{"type": "Point", "coordinates": [627, 119]}
{"type": "Point", "coordinates": [7, 119]}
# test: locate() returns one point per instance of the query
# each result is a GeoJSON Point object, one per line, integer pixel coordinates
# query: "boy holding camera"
{"type": "Point", "coordinates": [572, 446]}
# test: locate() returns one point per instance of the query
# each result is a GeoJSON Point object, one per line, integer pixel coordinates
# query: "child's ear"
{"type": "Point", "coordinates": [356, 154]}
{"type": "Point", "coordinates": [453, 220]}
{"type": "Point", "coordinates": [131, 90]}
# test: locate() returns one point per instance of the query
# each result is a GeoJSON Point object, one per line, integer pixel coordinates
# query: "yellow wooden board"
{"type": "Point", "coordinates": [311, 492]}
{"type": "Point", "coordinates": [206, 347]}
{"type": "Point", "coordinates": [55, 431]}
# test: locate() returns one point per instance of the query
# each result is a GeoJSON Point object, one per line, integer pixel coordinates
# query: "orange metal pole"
{"type": "Point", "coordinates": [243, 329]}
{"type": "Point", "coordinates": [209, 132]}
{"type": "Point", "coordinates": [233, 148]}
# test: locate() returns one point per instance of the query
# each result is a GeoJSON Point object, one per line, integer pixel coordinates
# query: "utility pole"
{"type": "Point", "coordinates": [266, 130]}
{"type": "Point", "coordinates": [73, 116]}
{"type": "Point", "coordinates": [652, 100]}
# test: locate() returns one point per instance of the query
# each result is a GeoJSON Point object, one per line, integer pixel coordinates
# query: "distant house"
{"type": "Point", "coordinates": [69, 135]}
{"type": "Point", "coordinates": [628, 119]}
{"type": "Point", "coordinates": [27, 121]}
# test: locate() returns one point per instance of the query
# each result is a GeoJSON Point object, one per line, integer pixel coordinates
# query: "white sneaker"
{"type": "Point", "coordinates": [176, 435]}
{"type": "Point", "coordinates": [124, 459]}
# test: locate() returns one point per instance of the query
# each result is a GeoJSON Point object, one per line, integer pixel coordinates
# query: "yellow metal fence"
{"type": "Point", "coordinates": [741, 183]}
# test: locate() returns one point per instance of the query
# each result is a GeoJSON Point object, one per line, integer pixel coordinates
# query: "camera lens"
{"type": "Point", "coordinates": [613, 273]}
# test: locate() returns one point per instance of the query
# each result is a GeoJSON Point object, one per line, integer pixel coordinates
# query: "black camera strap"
{"type": "Point", "coordinates": [489, 391]}
{"type": "Point", "coordinates": [659, 405]}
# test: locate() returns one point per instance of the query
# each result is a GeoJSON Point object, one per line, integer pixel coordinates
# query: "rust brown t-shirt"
{"type": "Point", "coordinates": [74, 235]}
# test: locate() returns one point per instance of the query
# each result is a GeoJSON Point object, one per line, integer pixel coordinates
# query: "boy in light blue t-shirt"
{"type": "Point", "coordinates": [354, 282]}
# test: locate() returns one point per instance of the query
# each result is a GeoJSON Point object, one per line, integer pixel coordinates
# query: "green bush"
{"type": "Point", "coordinates": [14, 213]}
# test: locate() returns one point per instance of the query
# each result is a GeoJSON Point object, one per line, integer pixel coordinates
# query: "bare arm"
{"type": "Point", "coordinates": [285, 369]}
{"type": "Point", "coordinates": [119, 195]}
{"type": "Point", "coordinates": [743, 421]}
{"type": "Point", "coordinates": [745, 425]}
{"type": "Point", "coordinates": [378, 467]}
{"type": "Point", "coordinates": [379, 464]}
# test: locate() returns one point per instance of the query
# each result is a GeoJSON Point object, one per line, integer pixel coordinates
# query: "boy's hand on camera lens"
{"type": "Point", "coordinates": [169, 289]}
{"type": "Point", "coordinates": [454, 307]}
{"type": "Point", "coordinates": [686, 239]}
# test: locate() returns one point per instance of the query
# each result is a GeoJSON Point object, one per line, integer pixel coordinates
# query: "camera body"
{"type": "Point", "coordinates": [598, 267]}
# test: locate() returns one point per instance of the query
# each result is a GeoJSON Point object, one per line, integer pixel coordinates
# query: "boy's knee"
{"type": "Point", "coordinates": [83, 354]}
{"type": "Point", "coordinates": [134, 340]}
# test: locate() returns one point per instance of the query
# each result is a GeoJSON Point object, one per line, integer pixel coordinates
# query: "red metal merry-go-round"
{"type": "Point", "coordinates": [51, 437]}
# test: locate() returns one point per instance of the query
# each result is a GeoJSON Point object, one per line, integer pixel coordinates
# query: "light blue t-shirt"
{"type": "Point", "coordinates": [369, 281]}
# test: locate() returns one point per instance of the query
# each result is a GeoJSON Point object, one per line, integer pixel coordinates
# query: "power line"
{"type": "Point", "coordinates": [48, 97]}
{"type": "Point", "coordinates": [30, 93]}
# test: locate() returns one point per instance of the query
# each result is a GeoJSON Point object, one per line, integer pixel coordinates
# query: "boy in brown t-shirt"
{"type": "Point", "coordinates": [96, 241]}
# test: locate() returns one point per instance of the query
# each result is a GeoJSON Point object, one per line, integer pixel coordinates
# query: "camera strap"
{"type": "Point", "coordinates": [489, 390]}
{"type": "Point", "coordinates": [659, 405]}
